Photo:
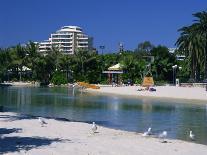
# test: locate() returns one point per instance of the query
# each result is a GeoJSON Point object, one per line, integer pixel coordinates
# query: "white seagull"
{"type": "Point", "coordinates": [162, 136]}
{"type": "Point", "coordinates": [192, 136]}
{"type": "Point", "coordinates": [147, 133]}
{"type": "Point", "coordinates": [94, 127]}
{"type": "Point", "coordinates": [41, 121]}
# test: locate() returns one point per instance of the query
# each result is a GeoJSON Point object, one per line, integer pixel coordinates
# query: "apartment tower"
{"type": "Point", "coordinates": [67, 39]}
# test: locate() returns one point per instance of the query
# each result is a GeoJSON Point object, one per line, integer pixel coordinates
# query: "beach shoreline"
{"type": "Point", "coordinates": [190, 95]}
{"type": "Point", "coordinates": [20, 135]}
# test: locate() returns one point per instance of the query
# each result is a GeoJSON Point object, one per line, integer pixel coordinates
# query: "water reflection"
{"type": "Point", "coordinates": [111, 111]}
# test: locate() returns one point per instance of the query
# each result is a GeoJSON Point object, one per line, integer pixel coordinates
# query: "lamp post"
{"type": "Point", "coordinates": [174, 73]}
{"type": "Point", "coordinates": [102, 47]}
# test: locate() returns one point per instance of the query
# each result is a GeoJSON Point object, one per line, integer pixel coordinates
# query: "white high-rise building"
{"type": "Point", "coordinates": [67, 40]}
{"type": "Point", "coordinates": [45, 46]}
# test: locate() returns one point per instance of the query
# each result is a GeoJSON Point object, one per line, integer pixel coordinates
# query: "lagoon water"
{"type": "Point", "coordinates": [174, 116]}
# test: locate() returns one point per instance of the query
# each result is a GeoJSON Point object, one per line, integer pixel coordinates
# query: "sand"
{"type": "Point", "coordinates": [21, 135]}
{"type": "Point", "coordinates": [188, 93]}
{"type": "Point", "coordinates": [19, 84]}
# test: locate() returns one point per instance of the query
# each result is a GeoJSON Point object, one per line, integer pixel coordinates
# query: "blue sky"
{"type": "Point", "coordinates": [108, 21]}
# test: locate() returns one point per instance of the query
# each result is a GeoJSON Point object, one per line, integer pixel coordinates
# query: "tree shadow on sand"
{"type": "Point", "coordinates": [15, 143]}
{"type": "Point", "coordinates": [8, 117]}
{"type": "Point", "coordinates": [4, 131]}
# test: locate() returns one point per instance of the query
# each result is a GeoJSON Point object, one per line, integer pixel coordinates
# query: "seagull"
{"type": "Point", "coordinates": [94, 127]}
{"type": "Point", "coordinates": [147, 133]}
{"type": "Point", "coordinates": [192, 136]}
{"type": "Point", "coordinates": [41, 121]}
{"type": "Point", "coordinates": [162, 136]}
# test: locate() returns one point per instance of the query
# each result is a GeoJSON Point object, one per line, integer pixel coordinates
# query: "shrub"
{"type": "Point", "coordinates": [58, 78]}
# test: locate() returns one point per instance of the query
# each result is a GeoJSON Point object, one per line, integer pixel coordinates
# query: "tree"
{"type": "Point", "coordinates": [133, 67]}
{"type": "Point", "coordinates": [44, 67]}
{"type": "Point", "coordinates": [32, 56]}
{"type": "Point", "coordinates": [163, 62]}
{"type": "Point", "coordinates": [67, 64]}
{"type": "Point", "coordinates": [193, 43]}
{"type": "Point", "coordinates": [18, 55]}
{"type": "Point", "coordinates": [58, 78]}
{"type": "Point", "coordinates": [5, 61]}
{"type": "Point", "coordinates": [86, 67]}
{"type": "Point", "coordinates": [146, 46]}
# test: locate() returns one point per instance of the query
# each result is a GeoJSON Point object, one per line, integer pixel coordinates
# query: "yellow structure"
{"type": "Point", "coordinates": [148, 81]}
{"type": "Point", "coordinates": [87, 85]}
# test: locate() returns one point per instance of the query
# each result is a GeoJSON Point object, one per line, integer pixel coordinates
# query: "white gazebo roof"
{"type": "Point", "coordinates": [24, 68]}
{"type": "Point", "coordinates": [115, 67]}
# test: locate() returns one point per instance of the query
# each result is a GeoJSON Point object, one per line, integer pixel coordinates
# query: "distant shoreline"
{"type": "Point", "coordinates": [189, 94]}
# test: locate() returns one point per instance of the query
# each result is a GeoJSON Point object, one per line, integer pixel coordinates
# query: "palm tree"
{"type": "Point", "coordinates": [56, 54]}
{"type": "Point", "coordinates": [32, 56]}
{"type": "Point", "coordinates": [66, 64]}
{"type": "Point", "coordinates": [201, 29]}
{"type": "Point", "coordinates": [134, 67]}
{"type": "Point", "coordinates": [163, 62]}
{"type": "Point", "coordinates": [193, 43]}
{"type": "Point", "coordinates": [5, 61]}
{"type": "Point", "coordinates": [18, 54]}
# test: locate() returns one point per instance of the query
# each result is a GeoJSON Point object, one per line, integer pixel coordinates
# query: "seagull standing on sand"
{"type": "Point", "coordinates": [192, 136]}
{"type": "Point", "coordinates": [41, 121]}
{"type": "Point", "coordinates": [162, 136]}
{"type": "Point", "coordinates": [147, 133]}
{"type": "Point", "coordinates": [94, 127]}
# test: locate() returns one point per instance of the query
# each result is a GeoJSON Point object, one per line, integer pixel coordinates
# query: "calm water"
{"type": "Point", "coordinates": [176, 117]}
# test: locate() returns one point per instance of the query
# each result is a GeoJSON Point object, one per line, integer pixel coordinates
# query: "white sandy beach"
{"type": "Point", "coordinates": [26, 136]}
{"type": "Point", "coordinates": [19, 84]}
{"type": "Point", "coordinates": [190, 93]}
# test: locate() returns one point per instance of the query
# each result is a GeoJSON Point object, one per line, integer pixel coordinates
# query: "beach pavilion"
{"type": "Point", "coordinates": [114, 74]}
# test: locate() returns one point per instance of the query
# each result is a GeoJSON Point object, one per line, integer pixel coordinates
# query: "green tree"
{"type": "Point", "coordinates": [5, 61]}
{"type": "Point", "coordinates": [133, 67]}
{"type": "Point", "coordinates": [67, 65]}
{"type": "Point", "coordinates": [163, 62]}
{"type": "Point", "coordinates": [18, 55]}
{"type": "Point", "coordinates": [58, 78]}
{"type": "Point", "coordinates": [145, 46]}
{"type": "Point", "coordinates": [193, 43]}
{"type": "Point", "coordinates": [85, 64]}
{"type": "Point", "coordinates": [32, 56]}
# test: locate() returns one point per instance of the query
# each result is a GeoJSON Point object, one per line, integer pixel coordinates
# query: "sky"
{"type": "Point", "coordinates": [109, 22]}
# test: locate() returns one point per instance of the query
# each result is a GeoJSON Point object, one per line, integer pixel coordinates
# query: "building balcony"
{"type": "Point", "coordinates": [62, 42]}
{"type": "Point", "coordinates": [82, 42]}
{"type": "Point", "coordinates": [82, 38]}
{"type": "Point", "coordinates": [82, 46]}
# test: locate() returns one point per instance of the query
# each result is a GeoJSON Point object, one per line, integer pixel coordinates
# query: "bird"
{"type": "Point", "coordinates": [162, 136]}
{"type": "Point", "coordinates": [94, 127]}
{"type": "Point", "coordinates": [41, 121]}
{"type": "Point", "coordinates": [147, 133]}
{"type": "Point", "coordinates": [192, 136]}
